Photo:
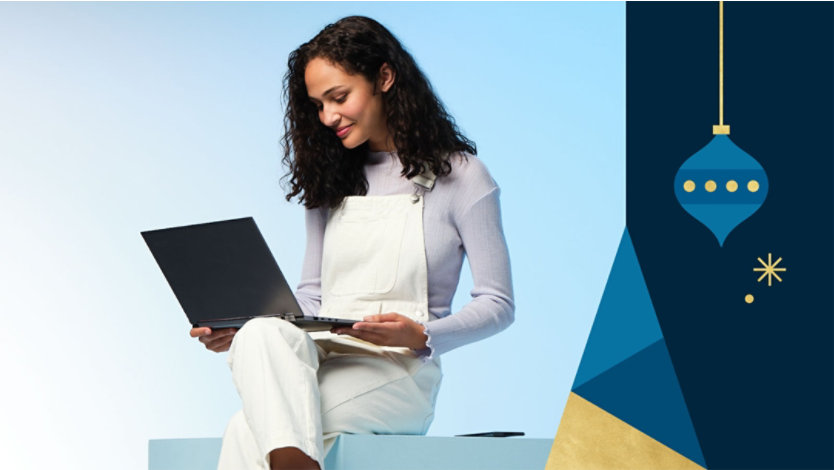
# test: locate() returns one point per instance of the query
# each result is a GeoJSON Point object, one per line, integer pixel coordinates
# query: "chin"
{"type": "Point", "coordinates": [351, 143]}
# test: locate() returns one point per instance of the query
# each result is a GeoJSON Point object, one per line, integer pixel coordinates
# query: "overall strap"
{"type": "Point", "coordinates": [425, 180]}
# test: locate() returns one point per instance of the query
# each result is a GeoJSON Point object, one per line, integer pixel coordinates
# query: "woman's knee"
{"type": "Point", "coordinates": [267, 329]}
{"type": "Point", "coordinates": [270, 332]}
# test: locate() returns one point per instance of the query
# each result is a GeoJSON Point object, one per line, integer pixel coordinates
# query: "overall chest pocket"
{"type": "Point", "coordinates": [362, 253]}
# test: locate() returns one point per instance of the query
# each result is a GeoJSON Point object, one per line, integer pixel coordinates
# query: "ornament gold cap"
{"type": "Point", "coordinates": [721, 130]}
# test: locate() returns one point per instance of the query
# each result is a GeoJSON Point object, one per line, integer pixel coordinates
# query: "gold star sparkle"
{"type": "Point", "coordinates": [769, 269]}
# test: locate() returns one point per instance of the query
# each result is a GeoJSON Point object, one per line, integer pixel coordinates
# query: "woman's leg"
{"type": "Point", "coordinates": [377, 394]}
{"type": "Point", "coordinates": [239, 447]}
{"type": "Point", "coordinates": [274, 367]}
{"type": "Point", "coordinates": [240, 451]}
{"type": "Point", "coordinates": [291, 458]}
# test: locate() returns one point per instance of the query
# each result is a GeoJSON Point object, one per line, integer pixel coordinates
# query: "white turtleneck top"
{"type": "Point", "coordinates": [461, 215]}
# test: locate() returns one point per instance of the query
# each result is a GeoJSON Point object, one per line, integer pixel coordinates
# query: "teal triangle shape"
{"type": "Point", "coordinates": [644, 392]}
{"type": "Point", "coordinates": [625, 322]}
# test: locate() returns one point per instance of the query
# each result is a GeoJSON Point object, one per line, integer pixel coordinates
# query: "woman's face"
{"type": "Point", "coordinates": [349, 104]}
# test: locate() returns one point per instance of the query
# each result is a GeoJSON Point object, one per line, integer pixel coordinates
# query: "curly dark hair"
{"type": "Point", "coordinates": [321, 171]}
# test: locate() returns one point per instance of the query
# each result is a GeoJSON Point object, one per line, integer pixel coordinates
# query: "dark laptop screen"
{"type": "Point", "coordinates": [221, 270]}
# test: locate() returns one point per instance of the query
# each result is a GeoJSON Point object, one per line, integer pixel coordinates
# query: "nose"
{"type": "Point", "coordinates": [328, 116]}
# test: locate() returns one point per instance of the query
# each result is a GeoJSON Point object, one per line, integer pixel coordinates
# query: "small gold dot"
{"type": "Point", "coordinates": [732, 186]}
{"type": "Point", "coordinates": [710, 186]}
{"type": "Point", "coordinates": [753, 186]}
{"type": "Point", "coordinates": [748, 298]}
{"type": "Point", "coordinates": [689, 186]}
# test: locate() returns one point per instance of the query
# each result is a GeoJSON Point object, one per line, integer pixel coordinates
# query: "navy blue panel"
{"type": "Point", "coordinates": [758, 378]}
{"type": "Point", "coordinates": [643, 391]}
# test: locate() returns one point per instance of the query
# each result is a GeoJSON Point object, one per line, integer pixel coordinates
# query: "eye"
{"type": "Point", "coordinates": [341, 98]}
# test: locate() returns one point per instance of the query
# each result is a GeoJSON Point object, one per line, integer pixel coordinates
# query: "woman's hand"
{"type": "Point", "coordinates": [217, 340]}
{"type": "Point", "coordinates": [388, 329]}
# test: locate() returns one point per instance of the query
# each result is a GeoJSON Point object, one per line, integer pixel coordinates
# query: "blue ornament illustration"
{"type": "Point", "coordinates": [721, 185]}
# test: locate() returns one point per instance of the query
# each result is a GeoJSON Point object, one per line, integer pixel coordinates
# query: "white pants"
{"type": "Point", "coordinates": [301, 393]}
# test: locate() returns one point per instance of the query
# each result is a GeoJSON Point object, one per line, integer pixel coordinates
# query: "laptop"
{"type": "Point", "coordinates": [223, 275]}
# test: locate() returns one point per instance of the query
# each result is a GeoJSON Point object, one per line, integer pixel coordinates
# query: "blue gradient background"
{"type": "Point", "coordinates": [117, 118]}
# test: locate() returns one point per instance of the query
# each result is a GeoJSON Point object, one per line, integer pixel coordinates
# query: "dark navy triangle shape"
{"type": "Point", "coordinates": [625, 321]}
{"type": "Point", "coordinates": [644, 392]}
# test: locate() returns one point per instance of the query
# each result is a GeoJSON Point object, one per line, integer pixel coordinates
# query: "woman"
{"type": "Point", "coordinates": [394, 198]}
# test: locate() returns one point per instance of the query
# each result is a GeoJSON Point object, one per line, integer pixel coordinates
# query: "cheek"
{"type": "Point", "coordinates": [361, 107]}
{"type": "Point", "coordinates": [375, 109]}
{"type": "Point", "coordinates": [352, 110]}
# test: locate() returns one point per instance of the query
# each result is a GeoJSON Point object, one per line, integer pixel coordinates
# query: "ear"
{"type": "Point", "coordinates": [386, 79]}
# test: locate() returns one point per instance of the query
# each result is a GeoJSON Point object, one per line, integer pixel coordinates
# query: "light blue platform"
{"type": "Point", "coordinates": [375, 452]}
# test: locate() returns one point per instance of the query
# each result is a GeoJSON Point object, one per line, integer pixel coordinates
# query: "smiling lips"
{"type": "Point", "coordinates": [342, 131]}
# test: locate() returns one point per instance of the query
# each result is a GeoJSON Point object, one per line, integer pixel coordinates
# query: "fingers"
{"type": "Point", "coordinates": [217, 340]}
{"type": "Point", "coordinates": [345, 331]}
{"type": "Point", "coordinates": [197, 332]}
{"type": "Point", "coordinates": [379, 326]}
{"type": "Point", "coordinates": [386, 333]}
{"type": "Point", "coordinates": [387, 329]}
{"type": "Point", "coordinates": [384, 317]}
{"type": "Point", "coordinates": [369, 336]}
{"type": "Point", "coordinates": [221, 344]}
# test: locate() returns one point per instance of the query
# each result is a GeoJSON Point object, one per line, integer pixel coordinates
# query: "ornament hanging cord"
{"type": "Point", "coordinates": [720, 128]}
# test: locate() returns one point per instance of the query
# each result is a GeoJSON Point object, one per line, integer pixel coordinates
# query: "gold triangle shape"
{"type": "Point", "coordinates": [590, 438]}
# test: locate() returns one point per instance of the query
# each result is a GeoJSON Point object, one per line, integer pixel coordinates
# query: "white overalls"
{"type": "Point", "coordinates": [297, 392]}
